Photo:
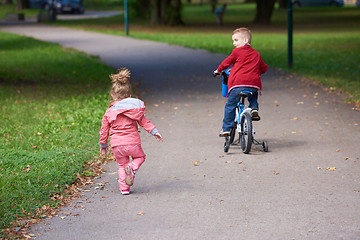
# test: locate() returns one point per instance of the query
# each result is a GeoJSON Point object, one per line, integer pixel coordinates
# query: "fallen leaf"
{"type": "Point", "coordinates": [228, 162]}
{"type": "Point", "coordinates": [140, 213]}
{"type": "Point", "coordinates": [240, 162]}
{"type": "Point", "coordinates": [196, 163]}
{"type": "Point", "coordinates": [293, 132]}
{"type": "Point", "coordinates": [319, 168]}
{"type": "Point", "coordinates": [104, 197]}
{"type": "Point", "coordinates": [175, 108]}
{"type": "Point", "coordinates": [331, 168]}
{"type": "Point", "coordinates": [156, 105]}
{"type": "Point", "coordinates": [300, 103]}
{"type": "Point", "coordinates": [276, 173]}
{"type": "Point", "coordinates": [337, 150]}
{"type": "Point", "coordinates": [27, 169]}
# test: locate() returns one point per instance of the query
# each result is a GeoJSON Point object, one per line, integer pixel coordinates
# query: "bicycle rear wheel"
{"type": "Point", "coordinates": [246, 136]}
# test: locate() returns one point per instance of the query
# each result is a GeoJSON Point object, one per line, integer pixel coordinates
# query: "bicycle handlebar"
{"type": "Point", "coordinates": [216, 74]}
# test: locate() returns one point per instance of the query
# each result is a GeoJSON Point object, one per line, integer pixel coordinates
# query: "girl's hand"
{"type": "Point", "coordinates": [103, 151]}
{"type": "Point", "coordinates": [158, 137]}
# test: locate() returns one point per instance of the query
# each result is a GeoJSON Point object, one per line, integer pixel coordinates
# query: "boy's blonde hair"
{"type": "Point", "coordinates": [121, 87]}
{"type": "Point", "coordinates": [244, 33]}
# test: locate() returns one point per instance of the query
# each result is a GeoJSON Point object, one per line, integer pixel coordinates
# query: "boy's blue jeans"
{"type": "Point", "coordinates": [233, 99]}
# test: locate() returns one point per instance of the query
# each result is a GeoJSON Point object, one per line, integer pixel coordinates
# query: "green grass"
{"type": "Point", "coordinates": [4, 9]}
{"type": "Point", "coordinates": [326, 40]}
{"type": "Point", "coordinates": [51, 104]}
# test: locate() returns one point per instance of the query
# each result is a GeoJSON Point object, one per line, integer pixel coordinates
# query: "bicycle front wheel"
{"type": "Point", "coordinates": [246, 134]}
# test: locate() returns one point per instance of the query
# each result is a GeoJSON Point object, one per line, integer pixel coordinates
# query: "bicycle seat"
{"type": "Point", "coordinates": [245, 94]}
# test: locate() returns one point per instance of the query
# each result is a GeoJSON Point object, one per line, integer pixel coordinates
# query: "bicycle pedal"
{"type": "Point", "coordinates": [255, 118]}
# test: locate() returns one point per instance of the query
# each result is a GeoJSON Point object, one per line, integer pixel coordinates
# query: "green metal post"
{"type": "Point", "coordinates": [290, 35]}
{"type": "Point", "coordinates": [126, 18]}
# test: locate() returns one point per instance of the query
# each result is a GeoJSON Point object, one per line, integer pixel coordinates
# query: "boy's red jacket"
{"type": "Point", "coordinates": [121, 120]}
{"type": "Point", "coordinates": [246, 69]}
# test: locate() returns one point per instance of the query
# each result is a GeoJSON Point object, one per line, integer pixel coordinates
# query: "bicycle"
{"type": "Point", "coordinates": [242, 122]}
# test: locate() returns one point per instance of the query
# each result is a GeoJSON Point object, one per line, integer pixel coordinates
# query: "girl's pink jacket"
{"type": "Point", "coordinates": [121, 120]}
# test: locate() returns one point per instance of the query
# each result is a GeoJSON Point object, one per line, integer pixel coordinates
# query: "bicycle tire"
{"type": "Point", "coordinates": [246, 134]}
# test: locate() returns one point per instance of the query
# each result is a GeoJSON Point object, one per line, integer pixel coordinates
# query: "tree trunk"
{"type": "Point", "coordinates": [213, 4]}
{"type": "Point", "coordinates": [22, 4]}
{"type": "Point", "coordinates": [167, 12]}
{"type": "Point", "coordinates": [6, 2]}
{"type": "Point", "coordinates": [155, 12]}
{"type": "Point", "coordinates": [175, 13]}
{"type": "Point", "coordinates": [283, 3]}
{"type": "Point", "coordinates": [143, 8]}
{"type": "Point", "coordinates": [264, 10]}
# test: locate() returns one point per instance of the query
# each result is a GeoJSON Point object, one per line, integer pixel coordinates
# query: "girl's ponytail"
{"type": "Point", "coordinates": [120, 84]}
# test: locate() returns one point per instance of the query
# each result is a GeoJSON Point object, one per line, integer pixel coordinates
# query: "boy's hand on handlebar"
{"type": "Point", "coordinates": [216, 73]}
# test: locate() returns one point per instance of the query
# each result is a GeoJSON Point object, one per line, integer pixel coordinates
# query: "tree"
{"type": "Point", "coordinates": [264, 10]}
{"type": "Point", "coordinates": [6, 2]}
{"type": "Point", "coordinates": [213, 4]}
{"type": "Point", "coordinates": [22, 4]}
{"type": "Point", "coordinates": [165, 12]}
{"type": "Point", "coordinates": [283, 3]}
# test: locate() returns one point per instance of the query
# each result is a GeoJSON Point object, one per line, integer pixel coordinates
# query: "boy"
{"type": "Point", "coordinates": [247, 66]}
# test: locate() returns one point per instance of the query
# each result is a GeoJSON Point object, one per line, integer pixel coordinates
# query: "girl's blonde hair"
{"type": "Point", "coordinates": [121, 87]}
{"type": "Point", "coordinates": [244, 33]}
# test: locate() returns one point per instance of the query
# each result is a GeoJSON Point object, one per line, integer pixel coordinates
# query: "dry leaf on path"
{"type": "Point", "coordinates": [140, 213]}
{"type": "Point", "coordinates": [196, 163]}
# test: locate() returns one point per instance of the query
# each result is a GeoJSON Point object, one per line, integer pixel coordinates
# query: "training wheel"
{"type": "Point", "coordinates": [265, 146]}
{"type": "Point", "coordinates": [226, 146]}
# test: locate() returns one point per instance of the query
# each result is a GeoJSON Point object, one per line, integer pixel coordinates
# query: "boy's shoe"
{"type": "Point", "coordinates": [125, 192]}
{"type": "Point", "coordinates": [255, 115]}
{"type": "Point", "coordinates": [224, 133]}
{"type": "Point", "coordinates": [130, 175]}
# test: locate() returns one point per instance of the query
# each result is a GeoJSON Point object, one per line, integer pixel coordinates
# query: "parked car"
{"type": "Point", "coordinates": [38, 3]}
{"type": "Point", "coordinates": [299, 3]}
{"type": "Point", "coordinates": [69, 6]}
{"type": "Point", "coordinates": [60, 6]}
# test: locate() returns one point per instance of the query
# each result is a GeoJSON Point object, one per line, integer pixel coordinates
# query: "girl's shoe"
{"type": "Point", "coordinates": [130, 175]}
{"type": "Point", "coordinates": [125, 192]}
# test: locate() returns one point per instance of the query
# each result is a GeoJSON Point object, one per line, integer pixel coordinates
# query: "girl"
{"type": "Point", "coordinates": [120, 122]}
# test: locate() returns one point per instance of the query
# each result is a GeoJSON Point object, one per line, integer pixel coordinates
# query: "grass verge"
{"type": "Point", "coordinates": [51, 103]}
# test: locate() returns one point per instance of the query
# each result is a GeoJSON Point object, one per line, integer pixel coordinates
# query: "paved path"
{"type": "Point", "coordinates": [287, 193]}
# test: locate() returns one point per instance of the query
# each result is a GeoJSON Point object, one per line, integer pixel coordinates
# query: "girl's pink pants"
{"type": "Point", "coordinates": [122, 154]}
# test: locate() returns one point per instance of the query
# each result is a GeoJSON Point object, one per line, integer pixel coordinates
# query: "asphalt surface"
{"type": "Point", "coordinates": [306, 187]}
